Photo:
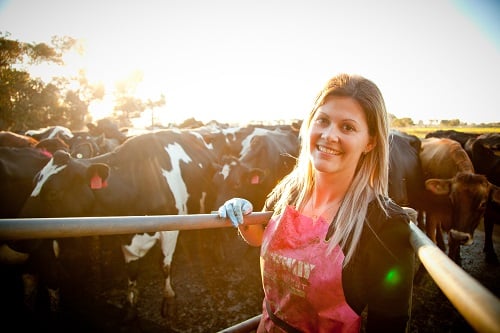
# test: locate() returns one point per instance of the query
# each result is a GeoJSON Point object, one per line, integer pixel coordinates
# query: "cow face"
{"type": "Point", "coordinates": [236, 179]}
{"type": "Point", "coordinates": [468, 194]}
{"type": "Point", "coordinates": [65, 187]}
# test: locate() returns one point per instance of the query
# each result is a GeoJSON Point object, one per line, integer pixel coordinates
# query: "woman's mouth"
{"type": "Point", "coordinates": [327, 150]}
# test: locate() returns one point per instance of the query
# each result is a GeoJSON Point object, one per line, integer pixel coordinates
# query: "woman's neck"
{"type": "Point", "coordinates": [330, 188]}
{"type": "Point", "coordinates": [326, 196]}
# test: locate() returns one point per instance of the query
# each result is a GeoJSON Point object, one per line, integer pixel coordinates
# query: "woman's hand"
{"type": "Point", "coordinates": [234, 209]}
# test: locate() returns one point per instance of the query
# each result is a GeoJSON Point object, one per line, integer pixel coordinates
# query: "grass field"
{"type": "Point", "coordinates": [421, 131]}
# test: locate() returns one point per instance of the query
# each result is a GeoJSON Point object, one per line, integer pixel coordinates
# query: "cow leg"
{"type": "Point", "coordinates": [440, 239]}
{"type": "Point", "coordinates": [138, 248]}
{"type": "Point", "coordinates": [454, 250]}
{"type": "Point", "coordinates": [44, 269]}
{"type": "Point", "coordinates": [421, 220]}
{"type": "Point", "coordinates": [431, 227]}
{"type": "Point", "coordinates": [490, 216]}
{"type": "Point", "coordinates": [168, 244]}
{"type": "Point", "coordinates": [30, 288]}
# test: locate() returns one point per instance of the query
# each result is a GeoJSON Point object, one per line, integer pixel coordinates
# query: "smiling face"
{"type": "Point", "coordinates": [339, 136]}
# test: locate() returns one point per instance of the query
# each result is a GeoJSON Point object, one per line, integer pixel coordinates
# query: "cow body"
{"type": "Point", "coordinates": [11, 139]}
{"type": "Point", "coordinates": [18, 167]}
{"type": "Point", "coordinates": [485, 155]}
{"type": "Point", "coordinates": [51, 132]}
{"type": "Point", "coordinates": [406, 180]}
{"type": "Point", "coordinates": [460, 137]}
{"type": "Point", "coordinates": [166, 172]}
{"type": "Point", "coordinates": [457, 197]}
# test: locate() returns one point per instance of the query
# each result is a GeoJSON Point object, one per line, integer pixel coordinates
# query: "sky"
{"type": "Point", "coordinates": [260, 60]}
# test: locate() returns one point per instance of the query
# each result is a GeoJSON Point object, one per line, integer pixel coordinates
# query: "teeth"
{"type": "Point", "coordinates": [328, 150]}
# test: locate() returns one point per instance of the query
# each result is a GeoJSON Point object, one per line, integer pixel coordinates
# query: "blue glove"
{"type": "Point", "coordinates": [234, 209]}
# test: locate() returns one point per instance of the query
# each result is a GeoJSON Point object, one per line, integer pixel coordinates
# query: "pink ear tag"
{"type": "Point", "coordinates": [46, 153]}
{"type": "Point", "coordinates": [96, 182]}
{"type": "Point", "coordinates": [254, 180]}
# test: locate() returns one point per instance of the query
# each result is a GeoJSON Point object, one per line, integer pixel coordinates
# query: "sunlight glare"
{"type": "Point", "coordinates": [101, 109]}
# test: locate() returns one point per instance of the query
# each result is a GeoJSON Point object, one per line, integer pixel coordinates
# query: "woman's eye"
{"type": "Point", "coordinates": [348, 128]}
{"type": "Point", "coordinates": [322, 121]}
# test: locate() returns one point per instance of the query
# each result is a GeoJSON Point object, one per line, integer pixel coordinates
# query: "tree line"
{"type": "Point", "coordinates": [27, 102]}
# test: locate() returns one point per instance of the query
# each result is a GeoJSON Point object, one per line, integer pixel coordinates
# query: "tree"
{"type": "Point", "coordinates": [450, 123]}
{"type": "Point", "coordinates": [27, 102]}
{"type": "Point", "coordinates": [128, 106]}
{"type": "Point", "coordinates": [402, 122]}
{"type": "Point", "coordinates": [153, 104]}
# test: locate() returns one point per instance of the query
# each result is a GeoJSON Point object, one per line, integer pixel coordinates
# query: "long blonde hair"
{"type": "Point", "coordinates": [371, 177]}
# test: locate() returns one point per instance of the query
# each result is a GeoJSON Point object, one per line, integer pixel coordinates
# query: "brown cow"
{"type": "Point", "coordinates": [457, 196]}
{"type": "Point", "coordinates": [11, 139]}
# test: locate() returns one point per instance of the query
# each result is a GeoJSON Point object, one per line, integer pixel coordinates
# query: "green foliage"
{"type": "Point", "coordinates": [402, 122]}
{"type": "Point", "coordinates": [26, 102]}
{"type": "Point", "coordinates": [450, 122]}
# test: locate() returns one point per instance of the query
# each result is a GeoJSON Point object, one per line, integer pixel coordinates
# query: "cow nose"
{"type": "Point", "coordinates": [463, 237]}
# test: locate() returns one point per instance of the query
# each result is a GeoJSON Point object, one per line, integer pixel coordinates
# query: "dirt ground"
{"type": "Point", "coordinates": [211, 294]}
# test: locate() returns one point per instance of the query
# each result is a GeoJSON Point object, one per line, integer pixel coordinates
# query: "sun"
{"type": "Point", "coordinates": [99, 109]}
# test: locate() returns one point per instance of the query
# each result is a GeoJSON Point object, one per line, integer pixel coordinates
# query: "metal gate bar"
{"type": "Point", "coordinates": [477, 304]}
{"type": "Point", "coordinates": [14, 229]}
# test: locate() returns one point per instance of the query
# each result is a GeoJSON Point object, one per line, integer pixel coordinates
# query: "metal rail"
{"type": "Point", "coordinates": [15, 229]}
{"type": "Point", "coordinates": [246, 326]}
{"type": "Point", "coordinates": [477, 305]}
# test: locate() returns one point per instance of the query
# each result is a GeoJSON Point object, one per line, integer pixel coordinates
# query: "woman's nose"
{"type": "Point", "coordinates": [330, 134]}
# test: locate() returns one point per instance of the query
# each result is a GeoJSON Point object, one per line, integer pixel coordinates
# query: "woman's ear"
{"type": "Point", "coordinates": [371, 144]}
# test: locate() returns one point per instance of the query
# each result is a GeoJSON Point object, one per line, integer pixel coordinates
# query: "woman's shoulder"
{"type": "Point", "coordinates": [388, 229]}
{"type": "Point", "coordinates": [387, 210]}
{"type": "Point", "coordinates": [388, 216]}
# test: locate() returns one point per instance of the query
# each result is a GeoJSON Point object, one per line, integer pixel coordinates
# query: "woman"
{"type": "Point", "coordinates": [336, 245]}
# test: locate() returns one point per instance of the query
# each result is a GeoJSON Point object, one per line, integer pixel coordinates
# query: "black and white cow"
{"type": "Point", "coordinates": [265, 157]}
{"type": "Point", "coordinates": [18, 167]}
{"type": "Point", "coordinates": [167, 172]}
{"type": "Point", "coordinates": [51, 132]}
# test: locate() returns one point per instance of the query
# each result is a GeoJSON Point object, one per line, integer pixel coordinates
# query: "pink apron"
{"type": "Point", "coordinates": [302, 283]}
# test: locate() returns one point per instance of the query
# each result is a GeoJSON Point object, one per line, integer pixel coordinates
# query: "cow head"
{"type": "Point", "coordinates": [65, 187]}
{"type": "Point", "coordinates": [236, 179]}
{"type": "Point", "coordinates": [468, 194]}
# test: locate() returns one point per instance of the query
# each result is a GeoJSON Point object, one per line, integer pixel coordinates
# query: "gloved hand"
{"type": "Point", "coordinates": [234, 209]}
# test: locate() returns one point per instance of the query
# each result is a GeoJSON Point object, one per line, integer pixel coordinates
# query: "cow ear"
{"type": "Point", "coordinates": [255, 176]}
{"type": "Point", "coordinates": [97, 175]}
{"type": "Point", "coordinates": [438, 186]}
{"type": "Point", "coordinates": [495, 194]}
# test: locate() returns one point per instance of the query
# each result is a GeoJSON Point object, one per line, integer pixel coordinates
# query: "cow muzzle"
{"type": "Point", "coordinates": [464, 238]}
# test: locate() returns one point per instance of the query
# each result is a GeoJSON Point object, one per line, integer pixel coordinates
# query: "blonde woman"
{"type": "Point", "coordinates": [336, 244]}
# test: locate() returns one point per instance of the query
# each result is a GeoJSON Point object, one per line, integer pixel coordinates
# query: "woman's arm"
{"type": "Point", "coordinates": [252, 234]}
{"type": "Point", "coordinates": [234, 209]}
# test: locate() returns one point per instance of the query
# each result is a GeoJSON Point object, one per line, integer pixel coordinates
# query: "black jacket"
{"type": "Point", "coordinates": [379, 277]}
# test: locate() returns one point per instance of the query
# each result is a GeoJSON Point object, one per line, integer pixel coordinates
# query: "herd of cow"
{"type": "Point", "coordinates": [451, 178]}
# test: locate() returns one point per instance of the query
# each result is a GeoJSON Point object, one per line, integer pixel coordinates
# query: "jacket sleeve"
{"type": "Point", "coordinates": [390, 266]}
